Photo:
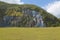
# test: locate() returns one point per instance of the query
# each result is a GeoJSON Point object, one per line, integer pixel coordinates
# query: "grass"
{"type": "Point", "coordinates": [29, 33]}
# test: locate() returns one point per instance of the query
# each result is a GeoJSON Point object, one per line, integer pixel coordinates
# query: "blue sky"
{"type": "Point", "coordinates": [51, 6]}
{"type": "Point", "coordinates": [40, 3]}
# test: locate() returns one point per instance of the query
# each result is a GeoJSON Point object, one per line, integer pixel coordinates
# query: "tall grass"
{"type": "Point", "coordinates": [29, 33]}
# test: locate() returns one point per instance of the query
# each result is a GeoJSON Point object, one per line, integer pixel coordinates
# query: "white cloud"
{"type": "Point", "coordinates": [54, 8]}
{"type": "Point", "coordinates": [13, 1]}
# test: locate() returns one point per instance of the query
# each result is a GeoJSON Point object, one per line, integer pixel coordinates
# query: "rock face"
{"type": "Point", "coordinates": [38, 19]}
{"type": "Point", "coordinates": [30, 18]}
{"type": "Point", "coordinates": [11, 20]}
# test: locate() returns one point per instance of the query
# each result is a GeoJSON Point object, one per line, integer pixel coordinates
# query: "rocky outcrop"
{"type": "Point", "coordinates": [30, 18]}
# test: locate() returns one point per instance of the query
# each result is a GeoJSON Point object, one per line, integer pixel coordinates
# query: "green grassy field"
{"type": "Point", "coordinates": [29, 33]}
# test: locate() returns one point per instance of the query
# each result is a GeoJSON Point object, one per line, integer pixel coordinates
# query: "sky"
{"type": "Point", "coordinates": [51, 6]}
{"type": "Point", "coordinates": [40, 3]}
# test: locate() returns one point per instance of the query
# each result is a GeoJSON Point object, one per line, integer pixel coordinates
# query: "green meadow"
{"type": "Point", "coordinates": [30, 33]}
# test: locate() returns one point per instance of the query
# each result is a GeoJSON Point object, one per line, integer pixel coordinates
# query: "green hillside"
{"type": "Point", "coordinates": [16, 11]}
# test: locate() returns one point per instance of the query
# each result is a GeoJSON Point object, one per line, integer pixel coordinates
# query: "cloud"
{"type": "Point", "coordinates": [54, 8]}
{"type": "Point", "coordinates": [13, 1]}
